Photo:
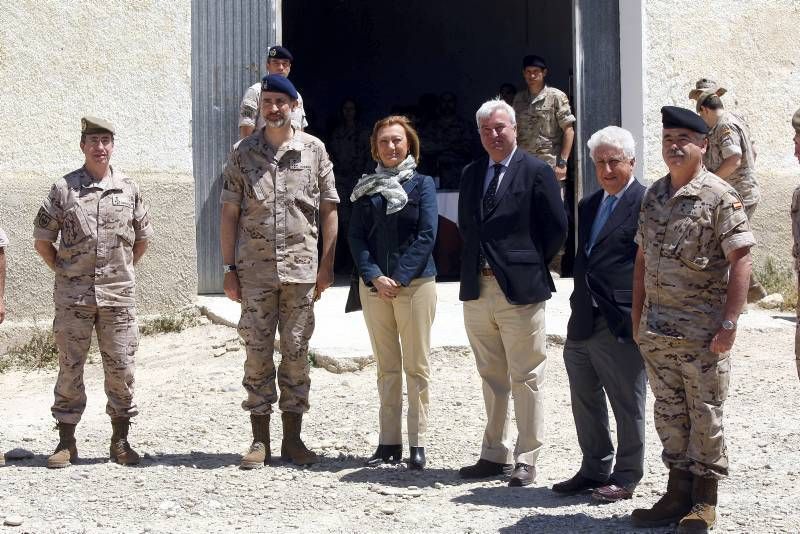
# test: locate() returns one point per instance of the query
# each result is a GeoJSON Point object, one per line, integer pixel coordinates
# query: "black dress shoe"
{"type": "Point", "coordinates": [385, 454]}
{"type": "Point", "coordinates": [577, 484]}
{"type": "Point", "coordinates": [522, 475]}
{"type": "Point", "coordinates": [483, 469]}
{"type": "Point", "coordinates": [416, 460]}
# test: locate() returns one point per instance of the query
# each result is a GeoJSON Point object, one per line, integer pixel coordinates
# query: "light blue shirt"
{"type": "Point", "coordinates": [490, 170]}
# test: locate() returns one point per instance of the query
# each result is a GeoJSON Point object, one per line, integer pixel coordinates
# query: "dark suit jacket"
{"type": "Point", "coordinates": [399, 245]}
{"type": "Point", "coordinates": [519, 236]}
{"type": "Point", "coordinates": [607, 273]}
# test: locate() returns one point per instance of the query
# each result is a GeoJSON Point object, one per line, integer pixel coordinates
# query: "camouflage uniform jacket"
{"type": "Point", "coordinates": [796, 227]}
{"type": "Point", "coordinates": [685, 240]}
{"type": "Point", "coordinates": [250, 110]}
{"type": "Point", "coordinates": [729, 137]}
{"type": "Point", "coordinates": [278, 192]}
{"type": "Point", "coordinates": [99, 222]}
{"type": "Point", "coordinates": [541, 120]}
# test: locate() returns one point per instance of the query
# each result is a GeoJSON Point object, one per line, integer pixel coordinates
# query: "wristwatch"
{"type": "Point", "coordinates": [728, 325]}
{"type": "Point", "coordinates": [561, 162]}
{"type": "Point", "coordinates": [228, 268]}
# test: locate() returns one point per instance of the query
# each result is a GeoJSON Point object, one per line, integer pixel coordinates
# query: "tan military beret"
{"type": "Point", "coordinates": [705, 88]}
{"type": "Point", "coordinates": [93, 125]}
{"type": "Point", "coordinates": [796, 121]}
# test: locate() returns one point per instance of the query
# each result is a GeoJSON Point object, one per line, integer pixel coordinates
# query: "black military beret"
{"type": "Point", "coordinates": [534, 61]}
{"type": "Point", "coordinates": [279, 52]}
{"type": "Point", "coordinates": [675, 117]}
{"type": "Point", "coordinates": [275, 83]}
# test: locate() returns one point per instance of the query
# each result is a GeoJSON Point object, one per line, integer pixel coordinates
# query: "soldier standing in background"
{"type": "Point", "coordinates": [104, 227]}
{"type": "Point", "coordinates": [3, 245]}
{"type": "Point", "coordinates": [731, 154]}
{"type": "Point", "coordinates": [279, 61]}
{"type": "Point", "coordinates": [273, 187]}
{"type": "Point", "coordinates": [796, 234]}
{"type": "Point", "coordinates": [689, 285]}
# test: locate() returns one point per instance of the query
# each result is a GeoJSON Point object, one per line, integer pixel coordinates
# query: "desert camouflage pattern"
{"type": "Point", "coordinates": [278, 192]}
{"type": "Point", "coordinates": [117, 338]}
{"type": "Point", "coordinates": [541, 120]}
{"type": "Point", "coordinates": [795, 213]}
{"type": "Point", "coordinates": [685, 239]}
{"type": "Point", "coordinates": [731, 137]}
{"type": "Point", "coordinates": [98, 223]}
{"type": "Point", "coordinates": [690, 385]}
{"type": "Point", "coordinates": [250, 110]}
{"type": "Point", "coordinates": [288, 308]}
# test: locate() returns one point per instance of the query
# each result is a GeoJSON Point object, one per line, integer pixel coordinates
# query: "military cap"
{"type": "Point", "coordinates": [93, 125]}
{"type": "Point", "coordinates": [275, 83]}
{"type": "Point", "coordinates": [796, 121]}
{"type": "Point", "coordinates": [534, 61]}
{"type": "Point", "coordinates": [704, 88]}
{"type": "Point", "coordinates": [675, 117]}
{"type": "Point", "coordinates": [279, 52]}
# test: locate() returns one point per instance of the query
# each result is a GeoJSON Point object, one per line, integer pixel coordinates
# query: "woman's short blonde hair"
{"type": "Point", "coordinates": [411, 135]}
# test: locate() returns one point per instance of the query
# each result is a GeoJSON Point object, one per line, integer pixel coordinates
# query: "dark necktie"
{"type": "Point", "coordinates": [489, 196]}
{"type": "Point", "coordinates": [600, 221]}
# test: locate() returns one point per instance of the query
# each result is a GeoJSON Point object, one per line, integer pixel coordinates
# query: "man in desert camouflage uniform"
{"type": "Point", "coordinates": [730, 155]}
{"type": "Point", "coordinates": [796, 234]}
{"type": "Point", "coordinates": [3, 245]}
{"type": "Point", "coordinates": [273, 187]}
{"type": "Point", "coordinates": [279, 61]}
{"type": "Point", "coordinates": [545, 125]}
{"type": "Point", "coordinates": [104, 228]}
{"type": "Point", "coordinates": [690, 283]}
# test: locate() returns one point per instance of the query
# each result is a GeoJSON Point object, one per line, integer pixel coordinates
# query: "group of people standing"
{"type": "Point", "coordinates": [661, 276]}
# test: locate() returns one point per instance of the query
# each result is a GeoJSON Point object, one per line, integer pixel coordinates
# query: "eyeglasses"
{"type": "Point", "coordinates": [486, 130]}
{"type": "Point", "coordinates": [104, 140]}
{"type": "Point", "coordinates": [613, 163]}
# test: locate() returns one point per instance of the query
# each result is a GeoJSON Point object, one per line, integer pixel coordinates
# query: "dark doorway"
{"type": "Point", "coordinates": [412, 58]}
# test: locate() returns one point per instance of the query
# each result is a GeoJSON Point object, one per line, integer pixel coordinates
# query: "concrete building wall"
{"type": "Point", "coordinates": [124, 60]}
{"type": "Point", "coordinates": [752, 49]}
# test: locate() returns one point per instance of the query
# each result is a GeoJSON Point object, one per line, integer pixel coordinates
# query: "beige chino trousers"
{"type": "Point", "coordinates": [400, 333]}
{"type": "Point", "coordinates": [509, 345]}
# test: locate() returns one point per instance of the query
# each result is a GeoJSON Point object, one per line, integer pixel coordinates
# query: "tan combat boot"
{"type": "Point", "coordinates": [66, 450]}
{"type": "Point", "coordinates": [703, 515]}
{"type": "Point", "coordinates": [292, 448]}
{"type": "Point", "coordinates": [120, 450]}
{"type": "Point", "coordinates": [259, 453]}
{"type": "Point", "coordinates": [670, 508]}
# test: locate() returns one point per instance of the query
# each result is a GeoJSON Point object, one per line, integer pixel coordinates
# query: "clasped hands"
{"type": "Point", "coordinates": [387, 288]}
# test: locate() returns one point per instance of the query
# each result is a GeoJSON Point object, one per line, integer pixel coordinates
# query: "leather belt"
{"type": "Point", "coordinates": [486, 271]}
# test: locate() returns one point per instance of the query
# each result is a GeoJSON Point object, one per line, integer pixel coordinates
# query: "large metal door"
{"type": "Point", "coordinates": [229, 42]}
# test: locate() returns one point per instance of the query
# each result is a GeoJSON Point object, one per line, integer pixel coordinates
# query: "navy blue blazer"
{"type": "Point", "coordinates": [519, 236]}
{"type": "Point", "coordinates": [399, 245]}
{"type": "Point", "coordinates": [607, 273]}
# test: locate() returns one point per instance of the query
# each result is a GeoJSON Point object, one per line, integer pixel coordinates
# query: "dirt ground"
{"type": "Point", "coordinates": [192, 431]}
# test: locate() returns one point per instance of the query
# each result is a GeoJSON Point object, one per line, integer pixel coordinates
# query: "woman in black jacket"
{"type": "Point", "coordinates": [392, 233]}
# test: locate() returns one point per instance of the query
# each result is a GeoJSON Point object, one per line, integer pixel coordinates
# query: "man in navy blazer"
{"type": "Point", "coordinates": [512, 220]}
{"type": "Point", "coordinates": [600, 355]}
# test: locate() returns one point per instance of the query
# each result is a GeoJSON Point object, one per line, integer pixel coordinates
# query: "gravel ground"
{"type": "Point", "coordinates": [192, 431]}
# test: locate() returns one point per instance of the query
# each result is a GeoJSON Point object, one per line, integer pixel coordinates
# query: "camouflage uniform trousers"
{"type": "Point", "coordinates": [690, 385]}
{"type": "Point", "coordinates": [797, 336]}
{"type": "Point", "coordinates": [289, 309]}
{"type": "Point", "coordinates": [118, 339]}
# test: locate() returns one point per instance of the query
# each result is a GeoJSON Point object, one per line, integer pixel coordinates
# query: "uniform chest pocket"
{"type": "Point", "coordinates": [692, 241]}
{"type": "Point", "coordinates": [261, 187]}
{"type": "Point", "coordinates": [76, 227]}
{"type": "Point", "coordinates": [546, 121]}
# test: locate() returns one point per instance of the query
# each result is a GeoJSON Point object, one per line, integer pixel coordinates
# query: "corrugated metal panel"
{"type": "Point", "coordinates": [229, 40]}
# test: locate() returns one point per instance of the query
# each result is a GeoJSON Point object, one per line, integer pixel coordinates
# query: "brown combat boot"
{"type": "Point", "coordinates": [120, 449]}
{"type": "Point", "coordinates": [66, 450]}
{"type": "Point", "coordinates": [670, 508]}
{"type": "Point", "coordinates": [292, 447]}
{"type": "Point", "coordinates": [703, 515]}
{"type": "Point", "coordinates": [259, 453]}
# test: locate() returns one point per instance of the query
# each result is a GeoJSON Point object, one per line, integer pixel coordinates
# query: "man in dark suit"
{"type": "Point", "coordinates": [512, 220]}
{"type": "Point", "coordinates": [600, 355]}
